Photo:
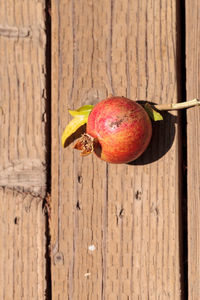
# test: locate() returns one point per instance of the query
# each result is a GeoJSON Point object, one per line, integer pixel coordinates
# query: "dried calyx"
{"type": "Point", "coordinates": [85, 144]}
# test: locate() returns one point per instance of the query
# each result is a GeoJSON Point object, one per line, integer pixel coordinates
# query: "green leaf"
{"type": "Point", "coordinates": [153, 114]}
{"type": "Point", "coordinates": [82, 111]}
{"type": "Point", "coordinates": [73, 126]}
{"type": "Point", "coordinates": [86, 108]}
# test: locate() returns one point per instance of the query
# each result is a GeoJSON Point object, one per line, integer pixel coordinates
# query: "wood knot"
{"type": "Point", "coordinates": [58, 258]}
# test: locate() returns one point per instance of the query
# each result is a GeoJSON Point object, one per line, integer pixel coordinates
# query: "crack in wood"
{"type": "Point", "coordinates": [24, 173]}
{"type": "Point", "coordinates": [12, 31]}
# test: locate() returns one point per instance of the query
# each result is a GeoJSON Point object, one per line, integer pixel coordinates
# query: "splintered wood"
{"type": "Point", "coordinates": [127, 214]}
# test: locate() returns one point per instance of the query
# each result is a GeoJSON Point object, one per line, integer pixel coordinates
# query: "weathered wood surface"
{"type": "Point", "coordinates": [22, 94]}
{"type": "Point", "coordinates": [22, 148]}
{"type": "Point", "coordinates": [129, 214]}
{"type": "Point", "coordinates": [193, 147]}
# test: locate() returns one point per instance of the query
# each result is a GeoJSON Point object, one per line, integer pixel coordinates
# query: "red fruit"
{"type": "Point", "coordinates": [121, 129]}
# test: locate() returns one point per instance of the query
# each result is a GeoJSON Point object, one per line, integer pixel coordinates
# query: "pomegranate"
{"type": "Point", "coordinates": [118, 130]}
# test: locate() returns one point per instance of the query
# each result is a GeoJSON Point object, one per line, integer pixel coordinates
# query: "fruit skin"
{"type": "Point", "coordinates": [121, 129]}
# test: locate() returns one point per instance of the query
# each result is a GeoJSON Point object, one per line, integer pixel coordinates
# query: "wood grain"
{"type": "Point", "coordinates": [129, 214]}
{"type": "Point", "coordinates": [22, 94]}
{"type": "Point", "coordinates": [23, 246]}
{"type": "Point", "coordinates": [22, 147]}
{"type": "Point", "coordinates": [193, 147]}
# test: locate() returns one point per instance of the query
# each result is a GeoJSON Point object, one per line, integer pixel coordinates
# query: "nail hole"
{"type": "Point", "coordinates": [80, 179]}
{"type": "Point", "coordinates": [16, 220]}
{"type": "Point", "coordinates": [78, 205]}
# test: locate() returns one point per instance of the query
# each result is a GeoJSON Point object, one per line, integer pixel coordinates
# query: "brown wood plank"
{"type": "Point", "coordinates": [129, 214]}
{"type": "Point", "coordinates": [193, 146]}
{"type": "Point", "coordinates": [22, 148]}
{"type": "Point", "coordinates": [22, 94]}
{"type": "Point", "coordinates": [23, 246]}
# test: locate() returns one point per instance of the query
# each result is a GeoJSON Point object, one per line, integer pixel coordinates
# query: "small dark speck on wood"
{"type": "Point", "coordinates": [80, 179]}
{"type": "Point", "coordinates": [78, 205]}
{"type": "Point", "coordinates": [138, 195]}
{"type": "Point", "coordinates": [120, 215]}
{"type": "Point", "coordinates": [16, 220]}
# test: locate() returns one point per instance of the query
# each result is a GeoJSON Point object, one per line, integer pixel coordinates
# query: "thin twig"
{"type": "Point", "coordinates": [175, 106]}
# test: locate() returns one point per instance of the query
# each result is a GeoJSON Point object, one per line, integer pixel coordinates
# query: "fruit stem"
{"type": "Point", "coordinates": [175, 106]}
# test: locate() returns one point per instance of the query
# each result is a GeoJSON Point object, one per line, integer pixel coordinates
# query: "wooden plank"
{"type": "Point", "coordinates": [23, 246]}
{"type": "Point", "coordinates": [114, 228]}
{"type": "Point", "coordinates": [193, 146]}
{"type": "Point", "coordinates": [22, 94]}
{"type": "Point", "coordinates": [22, 148]}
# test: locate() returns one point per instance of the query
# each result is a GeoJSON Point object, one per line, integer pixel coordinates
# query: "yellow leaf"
{"type": "Point", "coordinates": [72, 127]}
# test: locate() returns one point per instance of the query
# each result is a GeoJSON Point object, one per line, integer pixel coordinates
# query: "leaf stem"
{"type": "Point", "coordinates": [176, 106]}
